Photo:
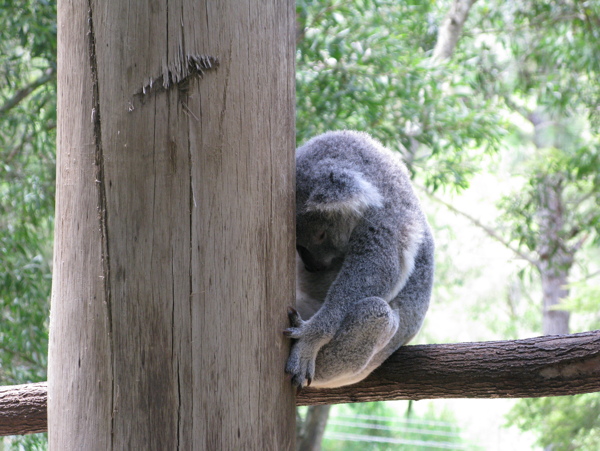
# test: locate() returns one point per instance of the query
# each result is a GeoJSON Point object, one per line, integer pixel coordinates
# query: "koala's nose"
{"type": "Point", "coordinates": [311, 264]}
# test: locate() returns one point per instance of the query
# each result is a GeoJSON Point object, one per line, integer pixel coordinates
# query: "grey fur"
{"type": "Point", "coordinates": [365, 264]}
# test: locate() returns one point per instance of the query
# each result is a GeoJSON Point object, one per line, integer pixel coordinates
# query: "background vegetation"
{"type": "Point", "coordinates": [504, 133]}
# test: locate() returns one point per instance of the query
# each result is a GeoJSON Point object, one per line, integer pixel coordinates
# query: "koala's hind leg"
{"type": "Point", "coordinates": [365, 331]}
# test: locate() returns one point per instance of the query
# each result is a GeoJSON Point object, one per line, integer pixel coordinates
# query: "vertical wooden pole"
{"type": "Point", "coordinates": [174, 246]}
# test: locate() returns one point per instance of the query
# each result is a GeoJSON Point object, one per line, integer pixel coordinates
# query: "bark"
{"type": "Point", "coordinates": [451, 28]}
{"type": "Point", "coordinates": [534, 367]}
{"type": "Point", "coordinates": [174, 249]}
{"type": "Point", "coordinates": [23, 409]}
{"type": "Point", "coordinates": [314, 428]}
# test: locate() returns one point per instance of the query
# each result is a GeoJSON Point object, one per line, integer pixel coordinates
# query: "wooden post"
{"type": "Point", "coordinates": [174, 245]}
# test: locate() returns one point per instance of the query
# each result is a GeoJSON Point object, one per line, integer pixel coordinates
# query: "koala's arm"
{"type": "Point", "coordinates": [343, 341]}
{"type": "Point", "coordinates": [379, 261]}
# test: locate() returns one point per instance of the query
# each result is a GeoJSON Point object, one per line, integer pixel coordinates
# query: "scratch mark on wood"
{"type": "Point", "coordinates": [179, 74]}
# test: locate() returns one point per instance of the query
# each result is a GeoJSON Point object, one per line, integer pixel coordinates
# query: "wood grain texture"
{"type": "Point", "coordinates": [174, 234]}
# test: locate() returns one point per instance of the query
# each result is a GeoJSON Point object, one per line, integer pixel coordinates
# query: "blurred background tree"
{"type": "Point", "coordinates": [503, 127]}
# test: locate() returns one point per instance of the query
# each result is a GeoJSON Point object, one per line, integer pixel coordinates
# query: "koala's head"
{"type": "Point", "coordinates": [329, 204]}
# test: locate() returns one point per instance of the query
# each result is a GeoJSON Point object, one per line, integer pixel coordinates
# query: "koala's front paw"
{"type": "Point", "coordinates": [301, 362]}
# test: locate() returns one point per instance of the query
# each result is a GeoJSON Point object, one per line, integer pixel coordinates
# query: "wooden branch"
{"type": "Point", "coordinates": [23, 409]}
{"type": "Point", "coordinates": [552, 365]}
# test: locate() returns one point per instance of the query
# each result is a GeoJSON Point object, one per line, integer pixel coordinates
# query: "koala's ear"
{"type": "Point", "coordinates": [346, 192]}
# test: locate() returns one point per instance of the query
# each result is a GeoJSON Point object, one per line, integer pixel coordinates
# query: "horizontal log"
{"type": "Point", "coordinates": [23, 409]}
{"type": "Point", "coordinates": [553, 365]}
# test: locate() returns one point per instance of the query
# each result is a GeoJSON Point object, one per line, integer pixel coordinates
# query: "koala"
{"type": "Point", "coordinates": [364, 260]}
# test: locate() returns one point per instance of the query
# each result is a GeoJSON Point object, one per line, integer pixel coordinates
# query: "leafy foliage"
{"type": "Point", "coordinates": [543, 52]}
{"type": "Point", "coordinates": [570, 170]}
{"type": "Point", "coordinates": [366, 65]}
{"type": "Point", "coordinates": [27, 122]}
{"type": "Point", "coordinates": [542, 59]}
{"type": "Point", "coordinates": [564, 423]}
{"type": "Point", "coordinates": [27, 162]}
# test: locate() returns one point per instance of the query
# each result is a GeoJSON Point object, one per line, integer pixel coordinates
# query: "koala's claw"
{"type": "Point", "coordinates": [299, 382]}
{"type": "Point", "coordinates": [296, 323]}
{"type": "Point", "coordinates": [301, 362]}
{"type": "Point", "coordinates": [294, 317]}
{"type": "Point", "coordinates": [301, 368]}
{"type": "Point", "coordinates": [299, 387]}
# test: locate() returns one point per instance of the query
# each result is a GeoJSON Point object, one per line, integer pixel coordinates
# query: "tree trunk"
{"type": "Point", "coordinates": [174, 245]}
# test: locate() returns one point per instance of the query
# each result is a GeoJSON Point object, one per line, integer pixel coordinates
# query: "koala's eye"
{"type": "Point", "coordinates": [320, 236]}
